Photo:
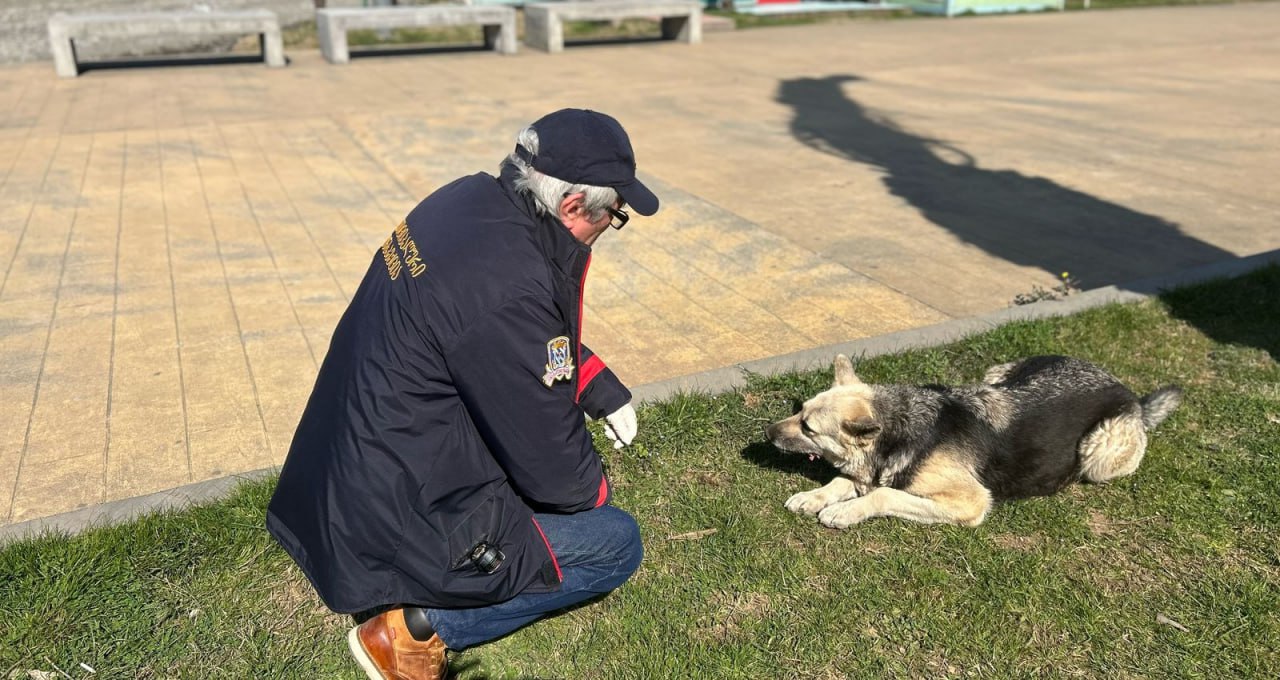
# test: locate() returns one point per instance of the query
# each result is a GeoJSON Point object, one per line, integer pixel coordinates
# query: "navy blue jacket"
{"type": "Point", "coordinates": [449, 408]}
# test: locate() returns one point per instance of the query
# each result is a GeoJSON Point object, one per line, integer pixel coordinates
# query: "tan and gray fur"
{"type": "Point", "coordinates": [933, 453]}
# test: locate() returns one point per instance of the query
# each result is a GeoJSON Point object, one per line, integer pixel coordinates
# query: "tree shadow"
{"type": "Point", "coordinates": [1027, 220]}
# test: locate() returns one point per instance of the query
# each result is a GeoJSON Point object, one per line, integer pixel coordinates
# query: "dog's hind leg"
{"type": "Point", "coordinates": [1114, 447]}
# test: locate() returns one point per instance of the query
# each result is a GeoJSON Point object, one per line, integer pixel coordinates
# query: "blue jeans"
{"type": "Point", "coordinates": [598, 550]}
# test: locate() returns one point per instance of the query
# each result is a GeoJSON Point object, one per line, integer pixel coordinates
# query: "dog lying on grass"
{"type": "Point", "coordinates": [934, 453]}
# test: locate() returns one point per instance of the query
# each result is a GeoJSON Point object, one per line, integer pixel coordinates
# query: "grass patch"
{"type": "Point", "coordinates": [1083, 583]}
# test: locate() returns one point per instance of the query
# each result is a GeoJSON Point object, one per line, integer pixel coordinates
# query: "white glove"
{"type": "Point", "coordinates": [620, 426]}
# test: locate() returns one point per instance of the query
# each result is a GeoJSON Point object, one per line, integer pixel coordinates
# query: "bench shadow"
{"type": "Point", "coordinates": [1028, 220]}
{"type": "Point", "coordinates": [175, 60]}
{"type": "Point", "coordinates": [618, 40]}
{"type": "Point", "coordinates": [406, 50]}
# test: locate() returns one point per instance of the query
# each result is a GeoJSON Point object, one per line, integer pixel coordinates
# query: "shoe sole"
{"type": "Point", "coordinates": [362, 657]}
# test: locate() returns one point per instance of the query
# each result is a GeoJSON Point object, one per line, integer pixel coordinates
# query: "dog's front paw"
{"type": "Point", "coordinates": [846, 514]}
{"type": "Point", "coordinates": [808, 502]}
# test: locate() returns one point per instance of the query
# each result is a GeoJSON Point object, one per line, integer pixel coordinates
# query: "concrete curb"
{"type": "Point", "coordinates": [713, 381]}
{"type": "Point", "coordinates": [126, 509]}
{"type": "Point", "coordinates": [731, 377]}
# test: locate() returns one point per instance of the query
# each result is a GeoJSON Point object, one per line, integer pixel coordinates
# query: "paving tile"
{"type": "Point", "coordinates": [57, 488]}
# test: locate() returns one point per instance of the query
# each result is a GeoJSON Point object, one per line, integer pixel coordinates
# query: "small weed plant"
{"type": "Point", "coordinates": [1065, 287]}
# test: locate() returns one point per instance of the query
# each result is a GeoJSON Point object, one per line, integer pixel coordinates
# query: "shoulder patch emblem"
{"type": "Point", "coordinates": [559, 361]}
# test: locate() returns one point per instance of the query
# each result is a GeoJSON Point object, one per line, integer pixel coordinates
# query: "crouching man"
{"type": "Point", "coordinates": [442, 485]}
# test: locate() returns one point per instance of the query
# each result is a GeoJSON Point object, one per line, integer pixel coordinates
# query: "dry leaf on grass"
{"type": "Point", "coordinates": [692, 535]}
{"type": "Point", "coordinates": [1161, 618]}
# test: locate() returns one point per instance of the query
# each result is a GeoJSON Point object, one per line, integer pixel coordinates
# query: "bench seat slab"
{"type": "Point", "coordinates": [544, 21]}
{"type": "Point", "coordinates": [65, 29]}
{"type": "Point", "coordinates": [332, 24]}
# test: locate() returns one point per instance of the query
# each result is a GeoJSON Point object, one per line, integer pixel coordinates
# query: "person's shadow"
{"type": "Point", "coordinates": [1019, 218]}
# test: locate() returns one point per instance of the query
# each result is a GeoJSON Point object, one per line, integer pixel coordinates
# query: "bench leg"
{"type": "Point", "coordinates": [501, 37]}
{"type": "Point", "coordinates": [333, 42]}
{"type": "Point", "coordinates": [64, 53]}
{"type": "Point", "coordinates": [272, 47]}
{"type": "Point", "coordinates": [543, 30]}
{"type": "Point", "coordinates": [683, 29]}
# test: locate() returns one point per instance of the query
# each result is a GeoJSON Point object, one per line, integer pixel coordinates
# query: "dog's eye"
{"type": "Point", "coordinates": [804, 427]}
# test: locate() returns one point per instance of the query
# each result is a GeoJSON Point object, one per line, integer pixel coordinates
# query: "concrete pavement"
{"type": "Point", "coordinates": [177, 243]}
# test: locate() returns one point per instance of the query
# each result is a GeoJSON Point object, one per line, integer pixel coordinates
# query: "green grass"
{"type": "Point", "coordinates": [1056, 587]}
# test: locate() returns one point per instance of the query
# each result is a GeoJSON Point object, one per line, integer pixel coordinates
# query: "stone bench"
{"type": "Point", "coordinates": [544, 21]}
{"type": "Point", "coordinates": [332, 24]}
{"type": "Point", "coordinates": [65, 29]}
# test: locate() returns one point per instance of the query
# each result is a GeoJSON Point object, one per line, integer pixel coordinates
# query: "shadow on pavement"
{"type": "Point", "coordinates": [1030, 221]}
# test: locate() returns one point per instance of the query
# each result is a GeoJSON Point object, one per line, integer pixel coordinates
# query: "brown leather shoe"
{"type": "Point", "coordinates": [386, 651]}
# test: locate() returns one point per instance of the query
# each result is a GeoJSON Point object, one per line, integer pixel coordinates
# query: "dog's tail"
{"type": "Point", "coordinates": [1159, 404]}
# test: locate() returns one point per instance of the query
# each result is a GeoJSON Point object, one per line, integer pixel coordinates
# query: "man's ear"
{"type": "Point", "coordinates": [571, 206]}
{"type": "Point", "coordinates": [844, 371]}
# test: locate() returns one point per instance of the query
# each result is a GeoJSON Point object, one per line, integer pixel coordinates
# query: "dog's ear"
{"type": "Point", "coordinates": [864, 428]}
{"type": "Point", "coordinates": [844, 371]}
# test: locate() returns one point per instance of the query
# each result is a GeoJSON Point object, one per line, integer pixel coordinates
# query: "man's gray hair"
{"type": "Point", "coordinates": [548, 191]}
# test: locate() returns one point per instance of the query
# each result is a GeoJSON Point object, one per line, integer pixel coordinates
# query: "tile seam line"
{"type": "Point", "coordinates": [226, 283]}
{"type": "Point", "coordinates": [44, 182]}
{"type": "Point", "coordinates": [389, 215]}
{"type": "Point", "coordinates": [115, 308]}
{"type": "Point", "coordinates": [820, 257]}
{"type": "Point", "coordinates": [302, 222]}
{"type": "Point", "coordinates": [696, 302]}
{"type": "Point", "coordinates": [266, 243]}
{"type": "Point", "coordinates": [173, 299]}
{"type": "Point", "coordinates": [341, 124]}
{"type": "Point", "coordinates": [715, 276]}
{"type": "Point", "coordinates": [28, 133]}
{"type": "Point", "coordinates": [48, 338]}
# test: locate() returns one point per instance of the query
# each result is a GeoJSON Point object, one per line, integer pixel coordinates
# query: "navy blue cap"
{"type": "Point", "coordinates": [588, 147]}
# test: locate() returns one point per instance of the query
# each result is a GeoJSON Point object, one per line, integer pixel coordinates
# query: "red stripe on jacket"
{"type": "Point", "coordinates": [603, 494]}
{"type": "Point", "coordinates": [554, 562]}
{"type": "Point", "coordinates": [587, 373]}
{"type": "Point", "coordinates": [582, 297]}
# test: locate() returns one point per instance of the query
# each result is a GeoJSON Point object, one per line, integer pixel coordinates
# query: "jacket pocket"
{"type": "Point", "coordinates": [483, 524]}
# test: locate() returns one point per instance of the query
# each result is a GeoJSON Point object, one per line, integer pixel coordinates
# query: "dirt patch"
{"type": "Point", "coordinates": [733, 611]}
{"type": "Point", "coordinates": [1099, 524]}
{"type": "Point", "coordinates": [1018, 542]}
{"type": "Point", "coordinates": [713, 478]}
